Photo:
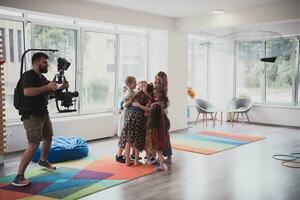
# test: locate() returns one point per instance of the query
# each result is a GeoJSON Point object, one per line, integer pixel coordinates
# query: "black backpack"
{"type": "Point", "coordinates": [19, 97]}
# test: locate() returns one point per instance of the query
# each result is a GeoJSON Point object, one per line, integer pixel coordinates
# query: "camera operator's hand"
{"type": "Point", "coordinates": [52, 86]}
{"type": "Point", "coordinates": [64, 85]}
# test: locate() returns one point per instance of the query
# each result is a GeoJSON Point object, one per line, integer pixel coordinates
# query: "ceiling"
{"type": "Point", "coordinates": [181, 8]}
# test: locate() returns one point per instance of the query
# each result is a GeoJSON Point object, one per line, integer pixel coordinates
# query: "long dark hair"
{"type": "Point", "coordinates": [163, 98]}
{"type": "Point", "coordinates": [150, 89]}
{"type": "Point", "coordinates": [155, 120]}
{"type": "Point", "coordinates": [141, 98]}
{"type": "Point", "coordinates": [164, 78]}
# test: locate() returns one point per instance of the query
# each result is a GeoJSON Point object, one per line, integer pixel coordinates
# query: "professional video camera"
{"type": "Point", "coordinates": [65, 97]}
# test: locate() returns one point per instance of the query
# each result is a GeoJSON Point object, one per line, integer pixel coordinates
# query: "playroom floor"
{"type": "Point", "coordinates": [246, 172]}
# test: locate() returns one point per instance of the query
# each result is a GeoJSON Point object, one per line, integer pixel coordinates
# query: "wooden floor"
{"type": "Point", "coordinates": [247, 172]}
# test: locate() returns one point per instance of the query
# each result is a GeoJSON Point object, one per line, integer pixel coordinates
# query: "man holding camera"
{"type": "Point", "coordinates": [35, 117]}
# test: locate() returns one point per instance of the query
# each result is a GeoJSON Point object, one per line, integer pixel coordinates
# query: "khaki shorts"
{"type": "Point", "coordinates": [38, 128]}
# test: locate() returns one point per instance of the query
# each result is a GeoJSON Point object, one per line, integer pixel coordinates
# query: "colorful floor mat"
{"type": "Point", "coordinates": [210, 142]}
{"type": "Point", "coordinates": [73, 179]}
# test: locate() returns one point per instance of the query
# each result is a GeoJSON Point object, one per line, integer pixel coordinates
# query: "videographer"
{"type": "Point", "coordinates": [36, 90]}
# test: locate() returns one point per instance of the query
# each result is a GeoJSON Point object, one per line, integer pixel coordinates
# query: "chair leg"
{"type": "Point", "coordinates": [205, 119]}
{"type": "Point", "coordinates": [222, 117]}
{"type": "Point", "coordinates": [237, 118]}
{"type": "Point", "coordinates": [197, 118]}
{"type": "Point", "coordinates": [231, 115]}
{"type": "Point", "coordinates": [213, 119]}
{"type": "Point", "coordinates": [247, 117]}
{"type": "Point", "coordinates": [243, 118]}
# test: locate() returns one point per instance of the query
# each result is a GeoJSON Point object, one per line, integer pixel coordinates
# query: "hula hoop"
{"type": "Point", "coordinates": [296, 155]}
{"type": "Point", "coordinates": [284, 157]}
{"type": "Point", "coordinates": [291, 164]}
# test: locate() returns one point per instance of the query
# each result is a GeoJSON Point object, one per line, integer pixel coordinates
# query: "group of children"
{"type": "Point", "coordinates": [143, 123]}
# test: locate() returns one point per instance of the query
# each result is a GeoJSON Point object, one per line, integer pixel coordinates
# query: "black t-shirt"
{"type": "Point", "coordinates": [35, 105]}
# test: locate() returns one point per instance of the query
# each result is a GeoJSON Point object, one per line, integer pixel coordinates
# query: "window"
{"type": "Point", "coordinates": [274, 83]}
{"type": "Point", "coordinates": [197, 66]}
{"type": "Point", "coordinates": [133, 58]}
{"type": "Point", "coordinates": [249, 72]}
{"type": "Point", "coordinates": [280, 75]}
{"type": "Point", "coordinates": [12, 66]}
{"type": "Point", "coordinates": [2, 34]}
{"type": "Point", "coordinates": [105, 60]}
{"type": "Point", "coordinates": [99, 64]}
{"type": "Point", "coordinates": [64, 40]}
{"type": "Point", "coordinates": [298, 75]}
{"type": "Point", "coordinates": [298, 72]}
{"type": "Point", "coordinates": [189, 65]}
{"type": "Point", "coordinates": [19, 45]}
{"type": "Point", "coordinates": [11, 45]}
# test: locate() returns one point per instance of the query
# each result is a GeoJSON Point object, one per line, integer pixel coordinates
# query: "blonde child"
{"type": "Point", "coordinates": [128, 96]}
{"type": "Point", "coordinates": [142, 86]}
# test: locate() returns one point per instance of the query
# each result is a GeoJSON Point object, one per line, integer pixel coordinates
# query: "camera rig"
{"type": "Point", "coordinates": [63, 98]}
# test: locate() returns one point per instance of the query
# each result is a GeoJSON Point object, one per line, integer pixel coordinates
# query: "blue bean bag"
{"type": "Point", "coordinates": [63, 149]}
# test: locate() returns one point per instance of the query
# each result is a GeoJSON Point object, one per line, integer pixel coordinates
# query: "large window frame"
{"type": "Point", "coordinates": [30, 19]}
{"type": "Point", "coordinates": [81, 71]}
{"type": "Point", "coordinates": [10, 42]}
{"type": "Point", "coordinates": [295, 78]}
{"type": "Point", "coordinates": [32, 25]}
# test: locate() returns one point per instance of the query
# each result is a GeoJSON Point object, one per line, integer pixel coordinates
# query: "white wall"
{"type": "Point", "coordinates": [93, 11]}
{"type": "Point", "coordinates": [158, 46]}
{"type": "Point", "coordinates": [88, 127]}
{"type": "Point", "coordinates": [287, 28]}
{"type": "Point", "coordinates": [275, 115]}
{"type": "Point", "coordinates": [255, 15]}
{"type": "Point", "coordinates": [177, 75]}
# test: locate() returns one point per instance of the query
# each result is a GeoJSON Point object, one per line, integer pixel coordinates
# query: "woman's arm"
{"type": "Point", "coordinates": [146, 109]}
{"type": "Point", "coordinates": [127, 102]}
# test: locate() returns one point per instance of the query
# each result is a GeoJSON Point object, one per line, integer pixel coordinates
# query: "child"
{"type": "Point", "coordinates": [142, 86]}
{"type": "Point", "coordinates": [133, 133]}
{"type": "Point", "coordinates": [130, 83]}
{"type": "Point", "coordinates": [150, 90]}
{"type": "Point", "coordinates": [161, 98]}
{"type": "Point", "coordinates": [158, 131]}
{"type": "Point", "coordinates": [121, 108]}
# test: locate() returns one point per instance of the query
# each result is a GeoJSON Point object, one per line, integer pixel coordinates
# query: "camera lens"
{"type": "Point", "coordinates": [75, 94]}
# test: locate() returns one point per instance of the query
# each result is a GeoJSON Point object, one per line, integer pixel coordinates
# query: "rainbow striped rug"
{"type": "Point", "coordinates": [210, 142]}
{"type": "Point", "coordinates": [72, 179]}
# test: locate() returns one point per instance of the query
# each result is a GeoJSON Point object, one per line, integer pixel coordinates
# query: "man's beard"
{"type": "Point", "coordinates": [43, 69]}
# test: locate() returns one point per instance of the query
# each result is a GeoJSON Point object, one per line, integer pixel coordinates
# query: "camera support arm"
{"type": "Point", "coordinates": [23, 56]}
